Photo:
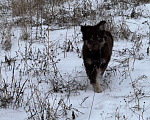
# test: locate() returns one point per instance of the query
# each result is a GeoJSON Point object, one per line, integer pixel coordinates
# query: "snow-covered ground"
{"type": "Point", "coordinates": [126, 93]}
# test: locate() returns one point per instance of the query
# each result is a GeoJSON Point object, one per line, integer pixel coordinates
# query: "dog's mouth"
{"type": "Point", "coordinates": [96, 47]}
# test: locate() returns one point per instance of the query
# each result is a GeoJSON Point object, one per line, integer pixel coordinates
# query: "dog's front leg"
{"type": "Point", "coordinates": [92, 73]}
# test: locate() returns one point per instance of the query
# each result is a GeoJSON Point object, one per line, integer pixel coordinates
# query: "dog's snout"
{"type": "Point", "coordinates": [96, 47]}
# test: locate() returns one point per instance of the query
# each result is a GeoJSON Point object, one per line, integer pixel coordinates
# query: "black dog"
{"type": "Point", "coordinates": [97, 51]}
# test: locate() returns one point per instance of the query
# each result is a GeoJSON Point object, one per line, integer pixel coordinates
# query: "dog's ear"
{"type": "Point", "coordinates": [101, 25]}
{"type": "Point", "coordinates": [83, 29]}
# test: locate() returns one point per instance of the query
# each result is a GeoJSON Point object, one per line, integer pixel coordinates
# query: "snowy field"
{"type": "Point", "coordinates": [42, 76]}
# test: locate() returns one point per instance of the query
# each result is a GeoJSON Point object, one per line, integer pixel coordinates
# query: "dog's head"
{"type": "Point", "coordinates": [93, 36]}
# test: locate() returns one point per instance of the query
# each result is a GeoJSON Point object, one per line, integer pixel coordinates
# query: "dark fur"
{"type": "Point", "coordinates": [97, 50]}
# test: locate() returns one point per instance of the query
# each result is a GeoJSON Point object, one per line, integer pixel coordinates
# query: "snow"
{"type": "Point", "coordinates": [12, 114]}
{"type": "Point", "coordinates": [126, 90]}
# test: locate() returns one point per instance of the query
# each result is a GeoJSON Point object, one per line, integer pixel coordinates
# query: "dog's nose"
{"type": "Point", "coordinates": [96, 47]}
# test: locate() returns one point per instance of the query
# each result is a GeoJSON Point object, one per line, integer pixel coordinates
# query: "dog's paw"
{"type": "Point", "coordinates": [97, 88]}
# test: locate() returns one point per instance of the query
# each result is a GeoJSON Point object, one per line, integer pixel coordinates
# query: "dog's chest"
{"type": "Point", "coordinates": [94, 55]}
